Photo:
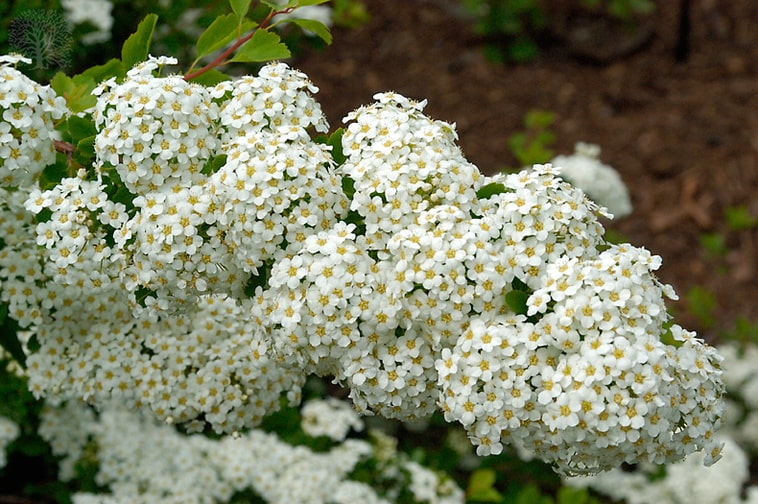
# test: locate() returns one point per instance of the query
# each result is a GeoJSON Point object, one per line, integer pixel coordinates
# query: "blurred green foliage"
{"type": "Point", "coordinates": [531, 145]}
{"type": "Point", "coordinates": [514, 29]}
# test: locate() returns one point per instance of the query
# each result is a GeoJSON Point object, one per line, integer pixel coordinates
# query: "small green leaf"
{"type": "Point", "coordinates": [85, 151]}
{"type": "Point", "coordinates": [137, 46]}
{"type": "Point", "coordinates": [569, 495]}
{"type": "Point", "coordinates": [481, 486]}
{"type": "Point", "coordinates": [9, 339]}
{"type": "Point", "coordinates": [210, 78]}
{"type": "Point", "coordinates": [738, 218]}
{"type": "Point", "coordinates": [79, 127]}
{"type": "Point", "coordinates": [317, 27]}
{"type": "Point", "coordinates": [272, 5]}
{"type": "Point", "coordinates": [263, 46]}
{"type": "Point", "coordinates": [303, 3]}
{"type": "Point", "coordinates": [516, 300]}
{"type": "Point", "coordinates": [348, 186]}
{"type": "Point", "coordinates": [98, 73]}
{"type": "Point", "coordinates": [489, 190]}
{"type": "Point", "coordinates": [77, 94]}
{"type": "Point", "coordinates": [240, 7]}
{"type": "Point", "coordinates": [222, 30]}
{"type": "Point", "coordinates": [214, 164]}
{"type": "Point", "coordinates": [335, 140]}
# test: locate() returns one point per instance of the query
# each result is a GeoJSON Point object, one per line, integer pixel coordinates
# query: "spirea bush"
{"type": "Point", "coordinates": [201, 244]}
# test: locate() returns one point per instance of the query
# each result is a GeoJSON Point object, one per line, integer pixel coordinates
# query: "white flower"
{"type": "Point", "coordinates": [601, 182]}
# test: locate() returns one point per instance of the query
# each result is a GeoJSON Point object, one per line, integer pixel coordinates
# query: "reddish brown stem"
{"type": "Point", "coordinates": [221, 58]}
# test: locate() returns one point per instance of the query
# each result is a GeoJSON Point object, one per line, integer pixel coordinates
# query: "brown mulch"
{"type": "Point", "coordinates": [682, 134]}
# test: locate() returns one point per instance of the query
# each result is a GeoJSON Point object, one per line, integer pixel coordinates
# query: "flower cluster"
{"type": "Point", "coordinates": [329, 417]}
{"type": "Point", "coordinates": [218, 254]}
{"type": "Point", "coordinates": [590, 381]}
{"type": "Point", "coordinates": [29, 111]}
{"type": "Point", "coordinates": [9, 431]}
{"type": "Point", "coordinates": [688, 481]}
{"type": "Point", "coordinates": [133, 463]}
{"type": "Point", "coordinates": [600, 181]}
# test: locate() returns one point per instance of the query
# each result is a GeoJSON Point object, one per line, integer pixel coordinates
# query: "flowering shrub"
{"type": "Point", "coordinates": [202, 248]}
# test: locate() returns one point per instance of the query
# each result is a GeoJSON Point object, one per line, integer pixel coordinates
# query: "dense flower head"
{"type": "Point", "coordinates": [589, 383]}
{"type": "Point", "coordinates": [29, 111]}
{"type": "Point", "coordinates": [244, 256]}
{"type": "Point", "coordinates": [402, 163]}
{"type": "Point", "coordinates": [279, 100]}
{"type": "Point", "coordinates": [155, 131]}
{"type": "Point", "coordinates": [273, 190]}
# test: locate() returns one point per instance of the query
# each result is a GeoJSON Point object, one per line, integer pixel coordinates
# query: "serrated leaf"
{"type": "Point", "coordinates": [490, 189]}
{"type": "Point", "coordinates": [240, 7]}
{"type": "Point", "coordinates": [77, 94]}
{"type": "Point", "coordinates": [317, 27]}
{"type": "Point", "coordinates": [222, 30]}
{"type": "Point", "coordinates": [137, 46]}
{"type": "Point", "coordinates": [263, 46]}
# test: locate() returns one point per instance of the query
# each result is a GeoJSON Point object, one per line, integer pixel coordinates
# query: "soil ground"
{"type": "Point", "coordinates": [682, 134]}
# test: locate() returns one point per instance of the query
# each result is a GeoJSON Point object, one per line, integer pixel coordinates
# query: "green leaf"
{"type": "Point", "coordinates": [137, 46]}
{"type": "Point", "coordinates": [738, 218]}
{"type": "Point", "coordinates": [303, 3]}
{"type": "Point", "coordinates": [85, 151]}
{"type": "Point", "coordinates": [335, 140]}
{"type": "Point", "coordinates": [516, 300]}
{"type": "Point", "coordinates": [490, 189]}
{"type": "Point", "coordinates": [77, 90]}
{"type": "Point", "coordinates": [79, 127]}
{"type": "Point", "coordinates": [481, 486]}
{"type": "Point", "coordinates": [264, 46]}
{"type": "Point", "coordinates": [348, 186]}
{"type": "Point", "coordinates": [210, 78]}
{"type": "Point", "coordinates": [317, 27]}
{"type": "Point", "coordinates": [222, 30]}
{"type": "Point", "coordinates": [569, 495]}
{"type": "Point", "coordinates": [214, 164]}
{"type": "Point", "coordinates": [9, 339]}
{"type": "Point", "coordinates": [78, 95]}
{"type": "Point", "coordinates": [98, 73]}
{"type": "Point", "coordinates": [240, 7]}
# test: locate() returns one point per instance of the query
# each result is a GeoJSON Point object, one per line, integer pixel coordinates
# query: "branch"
{"type": "Point", "coordinates": [220, 59]}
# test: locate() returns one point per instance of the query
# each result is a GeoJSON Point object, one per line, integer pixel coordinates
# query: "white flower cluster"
{"type": "Point", "coordinates": [329, 417]}
{"type": "Point", "coordinates": [688, 481]}
{"type": "Point", "coordinates": [9, 431]}
{"type": "Point", "coordinates": [197, 228]}
{"type": "Point", "coordinates": [741, 380]}
{"type": "Point", "coordinates": [218, 255]}
{"type": "Point", "coordinates": [29, 111]}
{"type": "Point", "coordinates": [600, 181]}
{"type": "Point", "coordinates": [98, 13]}
{"type": "Point", "coordinates": [141, 461]}
{"type": "Point", "coordinates": [685, 482]}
